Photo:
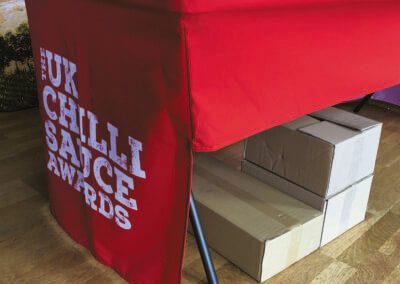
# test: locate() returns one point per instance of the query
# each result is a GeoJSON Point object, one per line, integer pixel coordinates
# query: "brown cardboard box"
{"type": "Point", "coordinates": [255, 226]}
{"type": "Point", "coordinates": [341, 211]}
{"type": "Point", "coordinates": [325, 152]}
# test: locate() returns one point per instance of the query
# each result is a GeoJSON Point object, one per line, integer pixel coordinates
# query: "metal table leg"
{"type": "Point", "coordinates": [201, 243]}
{"type": "Point", "coordinates": [362, 103]}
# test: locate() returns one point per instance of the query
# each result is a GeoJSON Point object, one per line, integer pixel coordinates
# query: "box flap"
{"type": "Point", "coordinates": [284, 185]}
{"type": "Point", "coordinates": [345, 118]}
{"type": "Point", "coordinates": [329, 132]}
{"type": "Point", "coordinates": [301, 122]}
{"type": "Point", "coordinates": [257, 208]}
{"type": "Point", "coordinates": [285, 152]}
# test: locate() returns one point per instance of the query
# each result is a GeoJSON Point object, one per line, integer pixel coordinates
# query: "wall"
{"type": "Point", "coordinates": [391, 95]}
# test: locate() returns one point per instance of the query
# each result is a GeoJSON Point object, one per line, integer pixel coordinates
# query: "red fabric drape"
{"type": "Point", "coordinates": [129, 88]}
{"type": "Point", "coordinates": [129, 204]}
{"type": "Point", "coordinates": [260, 68]}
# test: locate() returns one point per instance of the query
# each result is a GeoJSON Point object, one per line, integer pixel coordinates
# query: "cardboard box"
{"type": "Point", "coordinates": [255, 226]}
{"type": "Point", "coordinates": [341, 211]}
{"type": "Point", "coordinates": [325, 152]}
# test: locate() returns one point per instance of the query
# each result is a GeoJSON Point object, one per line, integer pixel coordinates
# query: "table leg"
{"type": "Point", "coordinates": [362, 103]}
{"type": "Point", "coordinates": [201, 242]}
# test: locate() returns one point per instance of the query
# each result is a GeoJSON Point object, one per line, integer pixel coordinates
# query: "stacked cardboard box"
{"type": "Point", "coordinates": [254, 225]}
{"type": "Point", "coordinates": [326, 160]}
{"type": "Point", "coordinates": [309, 181]}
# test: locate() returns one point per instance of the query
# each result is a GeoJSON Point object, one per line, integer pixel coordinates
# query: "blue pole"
{"type": "Point", "coordinates": [201, 242]}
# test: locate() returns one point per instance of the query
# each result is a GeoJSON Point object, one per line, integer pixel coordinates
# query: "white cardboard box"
{"type": "Point", "coordinates": [325, 152]}
{"type": "Point", "coordinates": [257, 227]}
{"type": "Point", "coordinates": [341, 211]}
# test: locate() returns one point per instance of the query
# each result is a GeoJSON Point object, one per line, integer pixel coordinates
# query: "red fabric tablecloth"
{"type": "Point", "coordinates": [129, 88]}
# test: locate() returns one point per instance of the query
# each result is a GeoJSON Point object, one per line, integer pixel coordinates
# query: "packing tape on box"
{"type": "Point", "coordinates": [294, 247]}
{"type": "Point", "coordinates": [248, 198]}
{"type": "Point", "coordinates": [358, 152]}
{"type": "Point", "coordinates": [348, 201]}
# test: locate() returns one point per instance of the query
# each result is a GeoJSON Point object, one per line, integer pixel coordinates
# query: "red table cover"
{"type": "Point", "coordinates": [129, 88]}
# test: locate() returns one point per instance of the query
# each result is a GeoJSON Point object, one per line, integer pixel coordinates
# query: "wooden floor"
{"type": "Point", "coordinates": [33, 249]}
